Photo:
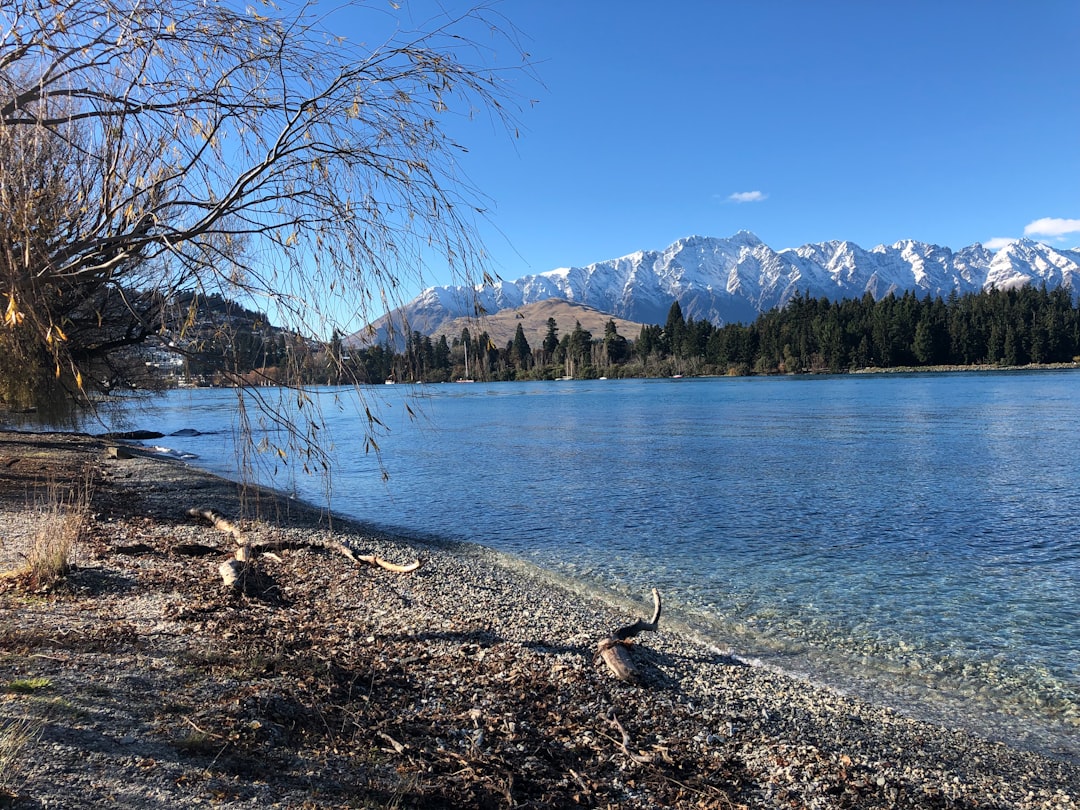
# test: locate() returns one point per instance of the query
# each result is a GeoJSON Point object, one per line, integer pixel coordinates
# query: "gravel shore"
{"type": "Point", "coordinates": [471, 682]}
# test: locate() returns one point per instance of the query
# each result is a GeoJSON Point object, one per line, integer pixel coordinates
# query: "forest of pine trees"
{"type": "Point", "coordinates": [809, 335]}
{"type": "Point", "coordinates": [1013, 327]}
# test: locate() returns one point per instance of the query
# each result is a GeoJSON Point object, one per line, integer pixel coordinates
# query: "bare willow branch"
{"type": "Point", "coordinates": [150, 149]}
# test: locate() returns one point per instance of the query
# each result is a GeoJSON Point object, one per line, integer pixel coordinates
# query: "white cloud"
{"type": "Point", "coordinates": [1052, 226]}
{"type": "Point", "coordinates": [998, 242]}
{"type": "Point", "coordinates": [748, 196]}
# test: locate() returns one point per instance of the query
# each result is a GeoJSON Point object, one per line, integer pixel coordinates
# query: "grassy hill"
{"type": "Point", "coordinates": [533, 318]}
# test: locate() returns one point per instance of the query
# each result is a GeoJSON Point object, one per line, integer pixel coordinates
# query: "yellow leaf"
{"type": "Point", "coordinates": [12, 317]}
{"type": "Point", "coordinates": [78, 379]}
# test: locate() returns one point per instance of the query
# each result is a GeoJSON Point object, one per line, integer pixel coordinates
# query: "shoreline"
{"type": "Point", "coordinates": [1015, 725]}
{"type": "Point", "coordinates": [962, 704]}
{"type": "Point", "coordinates": [470, 665]}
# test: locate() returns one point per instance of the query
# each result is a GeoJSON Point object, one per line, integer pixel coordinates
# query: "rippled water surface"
{"type": "Point", "coordinates": [910, 537]}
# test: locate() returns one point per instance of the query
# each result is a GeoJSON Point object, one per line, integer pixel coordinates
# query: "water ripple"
{"type": "Point", "coordinates": [912, 536]}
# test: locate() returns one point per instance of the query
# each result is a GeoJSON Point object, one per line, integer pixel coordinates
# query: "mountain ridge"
{"type": "Point", "coordinates": [736, 278]}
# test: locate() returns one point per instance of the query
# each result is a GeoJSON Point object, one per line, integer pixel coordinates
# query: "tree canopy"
{"type": "Point", "coordinates": [151, 147]}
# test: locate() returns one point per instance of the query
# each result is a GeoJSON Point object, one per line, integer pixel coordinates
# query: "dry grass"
{"type": "Point", "coordinates": [16, 736]}
{"type": "Point", "coordinates": [51, 551]}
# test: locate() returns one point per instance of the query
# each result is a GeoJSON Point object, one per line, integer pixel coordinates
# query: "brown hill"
{"type": "Point", "coordinates": [533, 318]}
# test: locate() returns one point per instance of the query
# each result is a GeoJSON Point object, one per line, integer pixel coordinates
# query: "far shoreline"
{"type": "Point", "coordinates": [28, 422]}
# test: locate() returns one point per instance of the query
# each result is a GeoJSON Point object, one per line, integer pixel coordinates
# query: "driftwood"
{"type": "Point", "coordinates": [614, 650]}
{"type": "Point", "coordinates": [371, 559]}
{"type": "Point", "coordinates": [219, 522]}
{"type": "Point", "coordinates": [233, 571]}
{"type": "Point", "coordinates": [264, 547]}
{"type": "Point", "coordinates": [640, 757]}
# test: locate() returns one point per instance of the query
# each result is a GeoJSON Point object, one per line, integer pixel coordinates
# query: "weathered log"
{"type": "Point", "coordinates": [341, 548]}
{"type": "Point", "coordinates": [371, 559]}
{"type": "Point", "coordinates": [614, 650]}
{"type": "Point", "coordinates": [232, 572]}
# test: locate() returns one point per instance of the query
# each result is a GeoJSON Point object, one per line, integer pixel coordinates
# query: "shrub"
{"type": "Point", "coordinates": [51, 551]}
{"type": "Point", "coordinates": [16, 736]}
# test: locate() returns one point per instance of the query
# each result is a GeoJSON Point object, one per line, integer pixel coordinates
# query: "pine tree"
{"type": "Point", "coordinates": [520, 352]}
{"type": "Point", "coordinates": [616, 348]}
{"type": "Point", "coordinates": [551, 340]}
{"type": "Point", "coordinates": [674, 330]}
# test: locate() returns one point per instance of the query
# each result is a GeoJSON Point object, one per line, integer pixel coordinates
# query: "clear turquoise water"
{"type": "Point", "coordinates": [912, 538]}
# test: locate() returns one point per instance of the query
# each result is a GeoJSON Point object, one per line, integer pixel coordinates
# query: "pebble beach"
{"type": "Point", "coordinates": [470, 682]}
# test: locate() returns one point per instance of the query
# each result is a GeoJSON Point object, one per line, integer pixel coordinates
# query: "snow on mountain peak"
{"type": "Point", "coordinates": [734, 279]}
{"type": "Point", "coordinates": [747, 238]}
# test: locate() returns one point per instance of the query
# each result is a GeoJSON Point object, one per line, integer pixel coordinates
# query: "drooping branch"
{"type": "Point", "coordinates": [210, 147]}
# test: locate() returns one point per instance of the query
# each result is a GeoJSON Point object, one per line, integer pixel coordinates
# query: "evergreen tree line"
{"type": "Point", "coordinates": [1012, 327]}
{"type": "Point", "coordinates": [995, 327]}
{"type": "Point", "coordinates": [809, 335]}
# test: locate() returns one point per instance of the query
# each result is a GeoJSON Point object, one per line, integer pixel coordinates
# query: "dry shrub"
{"type": "Point", "coordinates": [16, 736]}
{"type": "Point", "coordinates": [50, 555]}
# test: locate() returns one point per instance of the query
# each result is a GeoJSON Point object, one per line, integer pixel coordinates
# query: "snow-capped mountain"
{"type": "Point", "coordinates": [735, 279]}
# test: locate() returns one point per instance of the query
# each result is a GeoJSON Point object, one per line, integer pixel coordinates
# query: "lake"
{"type": "Point", "coordinates": [913, 538]}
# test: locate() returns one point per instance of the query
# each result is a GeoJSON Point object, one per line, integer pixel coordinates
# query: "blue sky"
{"type": "Point", "coordinates": [945, 122]}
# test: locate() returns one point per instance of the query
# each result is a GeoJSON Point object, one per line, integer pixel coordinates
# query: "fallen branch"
{"type": "Point", "coordinates": [398, 747]}
{"type": "Point", "coordinates": [233, 570]}
{"type": "Point", "coordinates": [341, 548]}
{"type": "Point", "coordinates": [614, 650]}
{"type": "Point", "coordinates": [371, 559]}
{"type": "Point", "coordinates": [624, 745]}
{"type": "Point", "coordinates": [219, 522]}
